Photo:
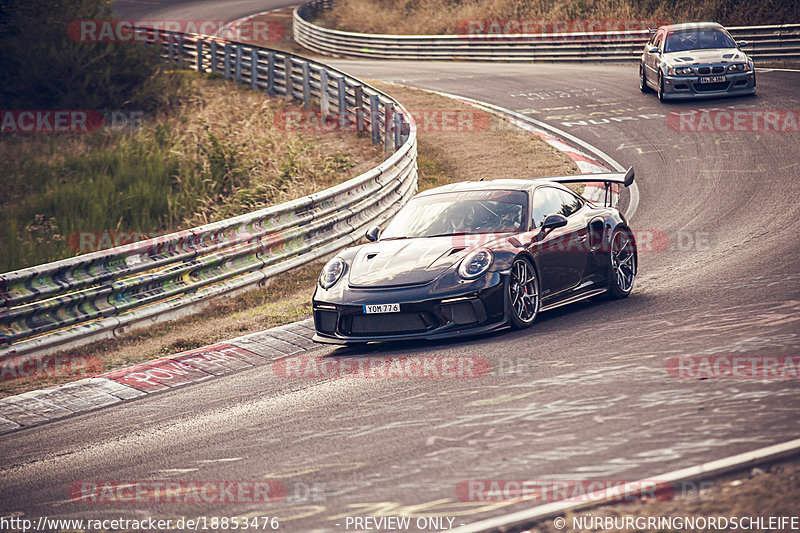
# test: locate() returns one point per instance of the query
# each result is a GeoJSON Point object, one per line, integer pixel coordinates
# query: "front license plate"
{"type": "Point", "coordinates": [712, 79]}
{"type": "Point", "coordinates": [381, 308]}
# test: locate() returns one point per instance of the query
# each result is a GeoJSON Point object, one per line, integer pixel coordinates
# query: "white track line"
{"type": "Point", "coordinates": [717, 467]}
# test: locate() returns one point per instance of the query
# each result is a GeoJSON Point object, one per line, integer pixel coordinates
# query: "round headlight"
{"type": "Point", "coordinates": [680, 71]}
{"type": "Point", "coordinates": [331, 272]}
{"type": "Point", "coordinates": [475, 264]}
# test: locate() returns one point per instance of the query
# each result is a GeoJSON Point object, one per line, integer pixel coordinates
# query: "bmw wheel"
{"type": "Point", "coordinates": [523, 294]}
{"type": "Point", "coordinates": [661, 86]}
{"type": "Point", "coordinates": [643, 80]}
{"type": "Point", "coordinates": [623, 266]}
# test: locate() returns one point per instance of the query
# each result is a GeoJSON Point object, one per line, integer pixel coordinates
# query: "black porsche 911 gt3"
{"type": "Point", "coordinates": [473, 257]}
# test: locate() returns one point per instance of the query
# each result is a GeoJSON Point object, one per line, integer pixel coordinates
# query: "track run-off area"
{"type": "Point", "coordinates": [584, 394]}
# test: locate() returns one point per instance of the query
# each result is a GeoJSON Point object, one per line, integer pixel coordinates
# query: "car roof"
{"type": "Point", "coordinates": [692, 26]}
{"type": "Point", "coordinates": [494, 184]}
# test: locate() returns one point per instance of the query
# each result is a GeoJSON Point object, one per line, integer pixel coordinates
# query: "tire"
{"type": "Point", "coordinates": [643, 80]}
{"type": "Point", "coordinates": [522, 298]}
{"type": "Point", "coordinates": [660, 86]}
{"type": "Point", "coordinates": [623, 264]}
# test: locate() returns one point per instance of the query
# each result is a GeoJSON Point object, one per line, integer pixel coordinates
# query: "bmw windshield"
{"type": "Point", "coordinates": [459, 213]}
{"type": "Point", "coordinates": [698, 39]}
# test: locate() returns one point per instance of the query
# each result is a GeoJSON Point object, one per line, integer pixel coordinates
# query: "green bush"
{"type": "Point", "coordinates": [43, 68]}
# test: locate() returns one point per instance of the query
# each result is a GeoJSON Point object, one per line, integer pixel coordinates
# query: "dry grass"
{"type": "Point", "coordinates": [220, 153]}
{"type": "Point", "coordinates": [498, 150]}
{"type": "Point", "coordinates": [495, 149]}
{"type": "Point", "coordinates": [445, 16]}
{"type": "Point", "coordinates": [766, 491]}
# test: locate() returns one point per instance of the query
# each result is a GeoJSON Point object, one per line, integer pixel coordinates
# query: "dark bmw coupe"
{"type": "Point", "coordinates": [473, 257]}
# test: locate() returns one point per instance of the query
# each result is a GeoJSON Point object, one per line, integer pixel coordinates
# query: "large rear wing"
{"type": "Point", "coordinates": [608, 179]}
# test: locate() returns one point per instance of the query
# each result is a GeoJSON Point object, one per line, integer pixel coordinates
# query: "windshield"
{"type": "Point", "coordinates": [699, 39]}
{"type": "Point", "coordinates": [459, 213]}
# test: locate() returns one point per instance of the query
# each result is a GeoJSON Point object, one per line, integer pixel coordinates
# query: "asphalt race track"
{"type": "Point", "coordinates": [584, 394]}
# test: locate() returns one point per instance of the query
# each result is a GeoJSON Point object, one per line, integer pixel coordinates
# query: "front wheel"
{"type": "Point", "coordinates": [623, 266]}
{"type": "Point", "coordinates": [661, 86]}
{"type": "Point", "coordinates": [643, 79]}
{"type": "Point", "coordinates": [523, 294]}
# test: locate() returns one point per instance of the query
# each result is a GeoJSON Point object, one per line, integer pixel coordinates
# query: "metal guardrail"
{"type": "Point", "coordinates": [767, 43]}
{"type": "Point", "coordinates": [77, 300]}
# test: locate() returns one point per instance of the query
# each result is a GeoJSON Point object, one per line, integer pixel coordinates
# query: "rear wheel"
{"type": "Point", "coordinates": [523, 294]}
{"type": "Point", "coordinates": [622, 267]}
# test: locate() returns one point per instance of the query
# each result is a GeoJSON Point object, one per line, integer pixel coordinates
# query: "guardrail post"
{"type": "Point", "coordinates": [226, 61]}
{"type": "Point", "coordinates": [324, 104]}
{"type": "Point", "coordinates": [287, 76]}
{"type": "Point", "coordinates": [306, 85]}
{"type": "Point", "coordinates": [271, 73]}
{"type": "Point", "coordinates": [214, 56]}
{"type": "Point", "coordinates": [170, 47]}
{"type": "Point", "coordinates": [374, 119]}
{"type": "Point", "coordinates": [181, 48]}
{"type": "Point", "coordinates": [253, 67]}
{"type": "Point", "coordinates": [238, 62]}
{"type": "Point", "coordinates": [388, 122]}
{"type": "Point", "coordinates": [199, 48]}
{"type": "Point", "coordinates": [342, 101]}
{"type": "Point", "coordinates": [398, 131]}
{"type": "Point", "coordinates": [359, 107]}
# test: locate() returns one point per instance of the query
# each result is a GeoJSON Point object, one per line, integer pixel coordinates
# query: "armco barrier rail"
{"type": "Point", "coordinates": [767, 43]}
{"type": "Point", "coordinates": [77, 300]}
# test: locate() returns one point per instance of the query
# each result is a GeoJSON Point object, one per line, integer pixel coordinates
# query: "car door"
{"type": "Point", "coordinates": [561, 253]}
{"type": "Point", "coordinates": [654, 59]}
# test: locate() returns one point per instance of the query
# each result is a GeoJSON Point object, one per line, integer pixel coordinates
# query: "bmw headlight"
{"type": "Point", "coordinates": [331, 272]}
{"type": "Point", "coordinates": [475, 264]}
{"type": "Point", "coordinates": [680, 71]}
{"type": "Point", "coordinates": [738, 67]}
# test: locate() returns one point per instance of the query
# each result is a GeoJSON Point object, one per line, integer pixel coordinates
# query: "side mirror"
{"type": "Point", "coordinates": [742, 43]}
{"type": "Point", "coordinates": [553, 222]}
{"type": "Point", "coordinates": [373, 233]}
{"type": "Point", "coordinates": [652, 50]}
{"type": "Point", "coordinates": [628, 177]}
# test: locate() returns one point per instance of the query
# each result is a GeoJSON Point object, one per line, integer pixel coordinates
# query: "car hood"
{"type": "Point", "coordinates": [398, 262]}
{"type": "Point", "coordinates": [697, 57]}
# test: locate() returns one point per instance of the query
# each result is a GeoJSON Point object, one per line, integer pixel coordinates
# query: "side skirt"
{"type": "Point", "coordinates": [572, 299]}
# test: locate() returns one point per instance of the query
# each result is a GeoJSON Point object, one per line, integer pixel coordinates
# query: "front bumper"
{"type": "Point", "coordinates": [471, 312]}
{"type": "Point", "coordinates": [685, 87]}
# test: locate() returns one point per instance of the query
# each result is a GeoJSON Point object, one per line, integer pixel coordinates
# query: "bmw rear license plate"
{"type": "Point", "coordinates": [381, 308]}
{"type": "Point", "coordinates": [712, 79]}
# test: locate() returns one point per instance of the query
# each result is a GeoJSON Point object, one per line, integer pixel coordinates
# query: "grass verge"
{"type": "Point", "coordinates": [218, 153]}
{"type": "Point", "coordinates": [448, 17]}
{"type": "Point", "coordinates": [447, 153]}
